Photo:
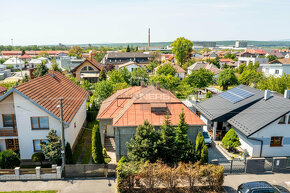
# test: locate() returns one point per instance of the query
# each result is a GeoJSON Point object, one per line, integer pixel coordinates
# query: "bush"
{"type": "Point", "coordinates": [68, 154]}
{"type": "Point", "coordinates": [38, 157]}
{"type": "Point", "coordinates": [208, 95]}
{"type": "Point", "coordinates": [9, 159]}
{"type": "Point", "coordinates": [231, 140]}
{"type": "Point", "coordinates": [97, 148]}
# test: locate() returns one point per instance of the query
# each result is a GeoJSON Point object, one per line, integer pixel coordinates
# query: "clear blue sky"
{"type": "Point", "coordinates": [111, 21]}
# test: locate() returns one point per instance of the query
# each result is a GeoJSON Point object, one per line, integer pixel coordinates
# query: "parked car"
{"type": "Point", "coordinates": [207, 138]}
{"type": "Point", "coordinates": [257, 187]}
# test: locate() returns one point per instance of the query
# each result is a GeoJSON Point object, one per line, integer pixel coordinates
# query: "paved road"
{"type": "Point", "coordinates": [233, 181]}
{"type": "Point", "coordinates": [93, 185]}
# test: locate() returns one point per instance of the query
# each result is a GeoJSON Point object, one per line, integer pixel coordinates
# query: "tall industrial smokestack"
{"type": "Point", "coordinates": [149, 39]}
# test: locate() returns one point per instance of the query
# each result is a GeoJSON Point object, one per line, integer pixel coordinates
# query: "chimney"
{"type": "Point", "coordinates": [287, 94]}
{"type": "Point", "coordinates": [148, 38]}
{"type": "Point", "coordinates": [143, 84]}
{"type": "Point", "coordinates": [30, 73]}
{"type": "Point", "coordinates": [158, 85]}
{"type": "Point", "coordinates": [267, 94]}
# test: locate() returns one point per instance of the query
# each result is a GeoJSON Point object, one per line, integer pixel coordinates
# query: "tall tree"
{"type": "Point", "coordinates": [166, 69]}
{"type": "Point", "coordinates": [182, 48]}
{"type": "Point", "coordinates": [75, 51]}
{"type": "Point", "coordinates": [40, 70]}
{"type": "Point", "coordinates": [167, 142]}
{"type": "Point", "coordinates": [103, 75]}
{"type": "Point", "coordinates": [68, 154]}
{"type": "Point", "coordinates": [200, 79]}
{"type": "Point", "coordinates": [97, 148]}
{"type": "Point", "coordinates": [227, 78]}
{"type": "Point", "coordinates": [128, 49]}
{"type": "Point", "coordinates": [52, 148]}
{"type": "Point", "coordinates": [103, 90]}
{"type": "Point", "coordinates": [139, 75]}
{"type": "Point", "coordinates": [199, 144]}
{"type": "Point", "coordinates": [144, 145]}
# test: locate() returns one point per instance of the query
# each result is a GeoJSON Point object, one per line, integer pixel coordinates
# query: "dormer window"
{"type": "Point", "coordinates": [160, 108]}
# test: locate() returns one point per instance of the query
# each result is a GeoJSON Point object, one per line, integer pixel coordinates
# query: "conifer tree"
{"type": "Point", "coordinates": [52, 148]}
{"type": "Point", "coordinates": [199, 144]}
{"type": "Point", "coordinates": [97, 148]}
{"type": "Point", "coordinates": [68, 154]}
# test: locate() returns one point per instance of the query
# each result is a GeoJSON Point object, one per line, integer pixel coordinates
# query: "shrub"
{"type": "Point", "coordinates": [168, 176]}
{"type": "Point", "coordinates": [38, 157]}
{"type": "Point", "coordinates": [68, 154]}
{"type": "Point", "coordinates": [208, 95]}
{"type": "Point", "coordinates": [231, 140]}
{"type": "Point", "coordinates": [97, 148]}
{"type": "Point", "coordinates": [149, 174]}
{"type": "Point", "coordinates": [204, 155]}
{"type": "Point", "coordinates": [9, 159]}
{"type": "Point", "coordinates": [126, 173]}
{"type": "Point", "coordinates": [189, 172]}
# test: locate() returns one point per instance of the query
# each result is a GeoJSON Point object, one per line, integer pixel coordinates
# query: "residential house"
{"type": "Point", "coordinates": [257, 52]}
{"type": "Point", "coordinates": [15, 62]}
{"type": "Point", "coordinates": [36, 61]}
{"type": "Point", "coordinates": [2, 90]}
{"type": "Point", "coordinates": [277, 67]}
{"type": "Point", "coordinates": [263, 128]}
{"type": "Point", "coordinates": [167, 58]}
{"type": "Point", "coordinates": [198, 65]}
{"type": "Point", "coordinates": [131, 66]}
{"type": "Point", "coordinates": [247, 60]}
{"type": "Point", "coordinates": [31, 109]}
{"type": "Point", "coordinates": [180, 72]}
{"type": "Point", "coordinates": [121, 113]}
{"type": "Point", "coordinates": [51, 53]}
{"type": "Point", "coordinates": [4, 73]}
{"type": "Point", "coordinates": [88, 70]}
{"type": "Point", "coordinates": [114, 58]}
{"type": "Point", "coordinates": [209, 55]}
{"type": "Point", "coordinates": [229, 62]}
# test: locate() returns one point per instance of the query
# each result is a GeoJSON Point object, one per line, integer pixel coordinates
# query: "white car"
{"type": "Point", "coordinates": [207, 138]}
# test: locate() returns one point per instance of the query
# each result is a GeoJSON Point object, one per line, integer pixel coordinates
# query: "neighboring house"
{"type": "Point", "coordinates": [259, 52]}
{"type": "Point", "coordinates": [88, 70]}
{"type": "Point", "coordinates": [209, 55]}
{"type": "Point", "coordinates": [131, 66]}
{"type": "Point", "coordinates": [263, 128]}
{"type": "Point", "coordinates": [167, 58]}
{"type": "Point", "coordinates": [69, 63]}
{"type": "Point", "coordinates": [121, 113]}
{"type": "Point", "coordinates": [115, 58]}
{"type": "Point", "coordinates": [247, 60]}
{"type": "Point", "coordinates": [15, 62]}
{"type": "Point", "coordinates": [51, 53]}
{"type": "Point", "coordinates": [2, 90]}
{"type": "Point", "coordinates": [228, 62]}
{"type": "Point", "coordinates": [260, 120]}
{"type": "Point", "coordinates": [25, 57]}
{"type": "Point", "coordinates": [180, 72]}
{"type": "Point", "coordinates": [31, 109]}
{"type": "Point", "coordinates": [34, 62]}
{"type": "Point", "coordinates": [4, 73]}
{"type": "Point", "coordinates": [277, 67]}
{"type": "Point", "coordinates": [198, 65]}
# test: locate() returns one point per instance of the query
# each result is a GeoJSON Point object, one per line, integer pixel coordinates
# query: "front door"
{"type": "Point", "coordinates": [12, 144]}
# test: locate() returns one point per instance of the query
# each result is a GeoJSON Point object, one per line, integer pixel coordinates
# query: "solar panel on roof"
{"type": "Point", "coordinates": [236, 95]}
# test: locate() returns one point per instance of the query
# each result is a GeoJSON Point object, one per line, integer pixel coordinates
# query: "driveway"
{"type": "Point", "coordinates": [232, 182]}
{"type": "Point", "coordinates": [214, 153]}
{"type": "Point", "coordinates": [93, 185]}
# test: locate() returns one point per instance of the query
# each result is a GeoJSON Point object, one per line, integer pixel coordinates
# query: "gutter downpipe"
{"type": "Point", "coordinates": [261, 141]}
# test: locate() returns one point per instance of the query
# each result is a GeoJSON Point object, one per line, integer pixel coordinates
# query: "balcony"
{"type": "Point", "coordinates": [8, 132]}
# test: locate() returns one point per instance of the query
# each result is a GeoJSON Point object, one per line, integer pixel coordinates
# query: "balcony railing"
{"type": "Point", "coordinates": [7, 132]}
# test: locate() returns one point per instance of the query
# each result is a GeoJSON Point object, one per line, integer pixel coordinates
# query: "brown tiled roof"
{"type": "Point", "coordinates": [132, 106]}
{"type": "Point", "coordinates": [2, 89]}
{"type": "Point", "coordinates": [48, 89]}
{"type": "Point", "coordinates": [94, 62]}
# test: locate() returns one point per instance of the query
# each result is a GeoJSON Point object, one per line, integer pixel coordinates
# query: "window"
{"type": "Point", "coordinates": [84, 69]}
{"type": "Point", "coordinates": [90, 68]}
{"type": "Point", "coordinates": [282, 120]}
{"type": "Point", "coordinates": [9, 120]}
{"type": "Point", "coordinates": [39, 123]}
{"type": "Point", "coordinates": [276, 71]}
{"type": "Point", "coordinates": [276, 141]}
{"type": "Point", "coordinates": [36, 144]}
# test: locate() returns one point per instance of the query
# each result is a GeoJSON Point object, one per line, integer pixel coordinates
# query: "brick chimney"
{"type": "Point", "coordinates": [158, 85]}
{"type": "Point", "coordinates": [30, 73]}
{"type": "Point", "coordinates": [143, 84]}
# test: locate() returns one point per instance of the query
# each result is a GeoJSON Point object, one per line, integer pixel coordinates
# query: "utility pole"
{"type": "Point", "coordinates": [62, 133]}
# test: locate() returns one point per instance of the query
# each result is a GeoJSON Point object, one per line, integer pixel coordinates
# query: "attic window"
{"type": "Point", "coordinates": [160, 108]}
{"type": "Point", "coordinates": [282, 120]}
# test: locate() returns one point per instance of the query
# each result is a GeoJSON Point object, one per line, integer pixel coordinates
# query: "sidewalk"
{"type": "Point", "coordinates": [92, 185]}
{"type": "Point", "coordinates": [233, 181]}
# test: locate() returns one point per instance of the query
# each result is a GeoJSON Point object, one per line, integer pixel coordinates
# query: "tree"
{"type": "Point", "coordinates": [151, 66]}
{"type": "Point", "coordinates": [231, 140]}
{"type": "Point", "coordinates": [103, 75]}
{"type": "Point", "coordinates": [9, 159]}
{"type": "Point", "coordinates": [168, 82]}
{"type": "Point", "coordinates": [167, 142]}
{"type": "Point", "coordinates": [97, 148]}
{"type": "Point", "coordinates": [242, 68]}
{"type": "Point", "coordinates": [43, 54]}
{"type": "Point", "coordinates": [103, 90]}
{"type": "Point", "coordinates": [227, 78]}
{"type": "Point", "coordinates": [278, 84]}
{"type": "Point", "coordinates": [144, 145]}
{"type": "Point", "coordinates": [25, 78]}
{"type": "Point", "coordinates": [124, 72]}
{"type": "Point", "coordinates": [183, 145]}
{"type": "Point", "coordinates": [68, 154]}
{"type": "Point", "coordinates": [199, 144]}
{"type": "Point", "coordinates": [52, 148]}
{"type": "Point", "coordinates": [200, 79]}
{"type": "Point", "coordinates": [204, 155]}
{"type": "Point", "coordinates": [249, 77]}
{"type": "Point", "coordinates": [181, 47]}
{"type": "Point", "coordinates": [166, 69]}
{"type": "Point", "coordinates": [40, 70]}
{"type": "Point", "coordinates": [75, 51]}
{"type": "Point", "coordinates": [38, 157]}
{"type": "Point", "coordinates": [271, 58]}
{"type": "Point", "coordinates": [128, 49]}
{"type": "Point", "coordinates": [55, 66]}
{"type": "Point", "coordinates": [216, 62]}
{"type": "Point", "coordinates": [183, 90]}
{"type": "Point", "coordinates": [139, 75]}
{"type": "Point", "coordinates": [22, 52]}
{"type": "Point", "coordinates": [116, 77]}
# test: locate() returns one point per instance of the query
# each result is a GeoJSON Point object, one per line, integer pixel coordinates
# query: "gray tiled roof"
{"type": "Point", "coordinates": [197, 66]}
{"type": "Point", "coordinates": [217, 107]}
{"type": "Point", "coordinates": [260, 114]}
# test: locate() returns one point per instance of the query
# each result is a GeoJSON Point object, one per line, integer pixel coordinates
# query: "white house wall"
{"type": "Point", "coordinates": [6, 107]}
{"type": "Point", "coordinates": [24, 110]}
{"type": "Point", "coordinates": [275, 129]}
{"type": "Point", "coordinates": [2, 144]}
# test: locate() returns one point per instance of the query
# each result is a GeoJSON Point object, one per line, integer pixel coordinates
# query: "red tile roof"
{"type": "Point", "coordinates": [50, 52]}
{"type": "Point", "coordinates": [256, 51]}
{"type": "Point", "coordinates": [132, 106]}
{"type": "Point", "coordinates": [2, 89]}
{"type": "Point", "coordinates": [25, 56]}
{"type": "Point", "coordinates": [226, 60]}
{"type": "Point", "coordinates": [48, 89]}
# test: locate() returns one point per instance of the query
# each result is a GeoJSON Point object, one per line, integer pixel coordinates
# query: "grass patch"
{"type": "Point", "coordinates": [78, 149]}
{"type": "Point", "coordinates": [47, 191]}
{"type": "Point", "coordinates": [107, 160]}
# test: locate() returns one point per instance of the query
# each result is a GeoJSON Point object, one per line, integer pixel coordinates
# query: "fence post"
{"type": "Point", "coordinates": [37, 172]}
{"type": "Point", "coordinates": [245, 165]}
{"type": "Point", "coordinates": [58, 172]}
{"type": "Point", "coordinates": [17, 173]}
{"type": "Point", "coordinates": [231, 170]}
{"type": "Point", "coordinates": [106, 170]}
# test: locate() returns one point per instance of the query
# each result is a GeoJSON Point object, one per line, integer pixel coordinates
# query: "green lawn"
{"type": "Point", "coordinates": [78, 149]}
{"type": "Point", "coordinates": [47, 191]}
